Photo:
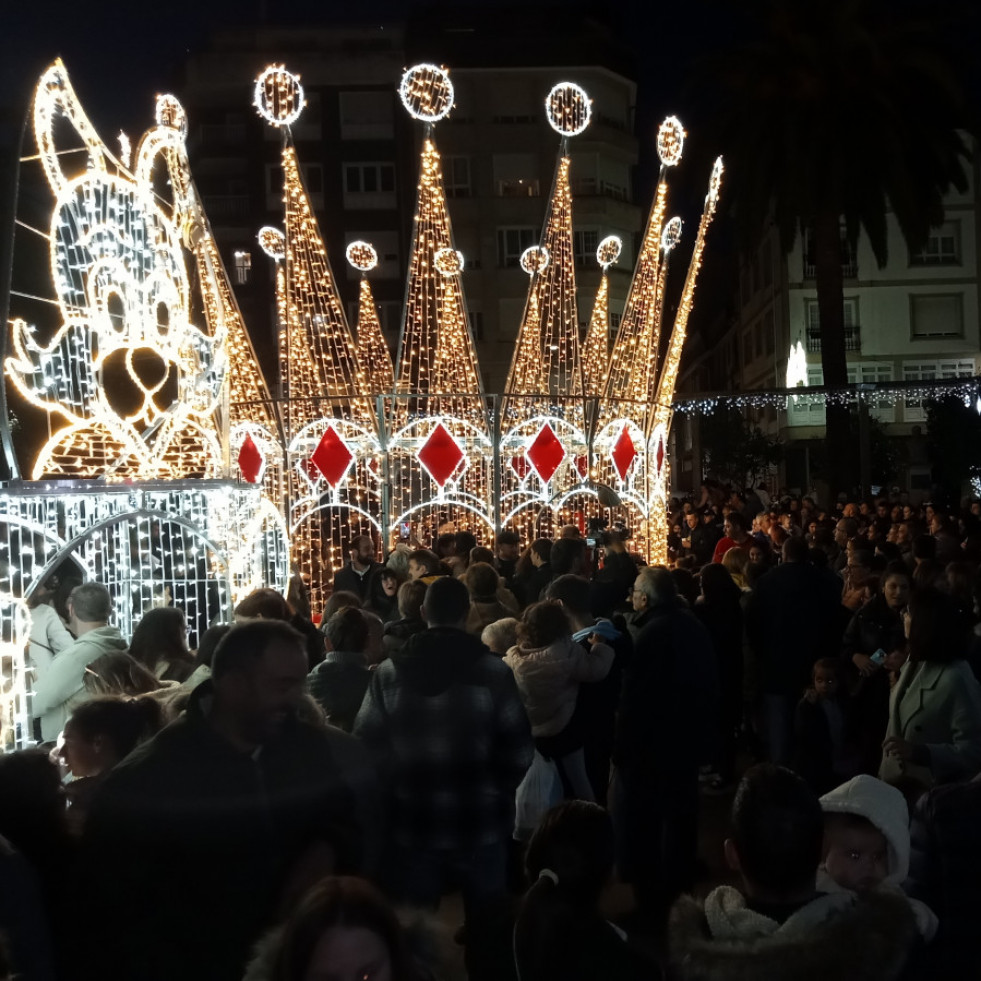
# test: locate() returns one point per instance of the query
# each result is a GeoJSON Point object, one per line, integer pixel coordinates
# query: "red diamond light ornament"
{"type": "Point", "coordinates": [440, 455]}
{"type": "Point", "coordinates": [623, 453]}
{"type": "Point", "coordinates": [582, 465]}
{"type": "Point", "coordinates": [250, 460]}
{"type": "Point", "coordinates": [546, 453]}
{"type": "Point", "coordinates": [332, 457]}
{"type": "Point", "coordinates": [659, 455]}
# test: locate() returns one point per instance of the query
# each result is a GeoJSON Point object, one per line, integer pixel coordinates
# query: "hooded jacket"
{"type": "Point", "coordinates": [548, 680]}
{"type": "Point", "coordinates": [832, 936]}
{"type": "Point", "coordinates": [61, 686]}
{"type": "Point", "coordinates": [445, 722]}
{"type": "Point", "coordinates": [884, 807]}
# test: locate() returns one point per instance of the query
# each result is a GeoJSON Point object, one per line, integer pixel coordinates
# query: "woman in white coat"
{"type": "Point", "coordinates": [934, 730]}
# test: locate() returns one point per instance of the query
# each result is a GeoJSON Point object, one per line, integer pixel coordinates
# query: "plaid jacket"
{"type": "Point", "coordinates": [444, 719]}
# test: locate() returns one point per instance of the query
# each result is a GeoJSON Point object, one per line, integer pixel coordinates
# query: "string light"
{"type": "Point", "coordinates": [535, 259]}
{"type": "Point", "coordinates": [608, 251]}
{"type": "Point", "coordinates": [272, 241]}
{"type": "Point", "coordinates": [278, 96]}
{"type": "Point", "coordinates": [426, 92]}
{"type": "Point", "coordinates": [568, 108]}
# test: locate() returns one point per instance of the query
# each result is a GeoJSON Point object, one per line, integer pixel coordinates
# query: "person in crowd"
{"type": "Point", "coordinates": [345, 929]}
{"type": "Point", "coordinates": [534, 572]}
{"type": "Point", "coordinates": [791, 621]}
{"type": "Point", "coordinates": [697, 538]}
{"type": "Point", "coordinates": [669, 699]}
{"type": "Point", "coordinates": [382, 596]}
{"type": "Point", "coordinates": [49, 636]}
{"type": "Point", "coordinates": [720, 609]}
{"type": "Point", "coordinates": [507, 550]}
{"type": "Point", "coordinates": [159, 643]}
{"type": "Point", "coordinates": [501, 635]}
{"type": "Point", "coordinates": [618, 572]}
{"type": "Point", "coordinates": [846, 532]}
{"type": "Point", "coordinates": [362, 562]}
{"type": "Point", "coordinates": [62, 688]}
{"type": "Point", "coordinates": [867, 843]}
{"type": "Point", "coordinates": [398, 560]}
{"type": "Point", "coordinates": [205, 654]}
{"type": "Point", "coordinates": [99, 734]}
{"type": "Point", "coordinates": [876, 629]}
{"type": "Point", "coordinates": [945, 871]}
{"type": "Point", "coordinates": [486, 604]}
{"type": "Point", "coordinates": [444, 720]}
{"type": "Point", "coordinates": [560, 933]}
{"type": "Point", "coordinates": [33, 823]}
{"type": "Point", "coordinates": [778, 926]}
{"type": "Point", "coordinates": [339, 682]}
{"type": "Point", "coordinates": [568, 557]}
{"type": "Point", "coordinates": [227, 812]}
{"type": "Point", "coordinates": [548, 667]}
{"type": "Point", "coordinates": [934, 729]}
{"type": "Point", "coordinates": [596, 703]}
{"type": "Point", "coordinates": [480, 553]}
{"type": "Point", "coordinates": [825, 750]}
{"type": "Point", "coordinates": [121, 674]}
{"type": "Point", "coordinates": [642, 611]}
{"type": "Point", "coordinates": [268, 604]}
{"type": "Point", "coordinates": [464, 542]}
{"type": "Point", "coordinates": [410, 597]}
{"type": "Point", "coordinates": [425, 565]}
{"type": "Point", "coordinates": [734, 535]}
{"type": "Point", "coordinates": [734, 562]}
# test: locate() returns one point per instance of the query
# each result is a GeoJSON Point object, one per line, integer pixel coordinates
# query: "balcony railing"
{"type": "Point", "coordinates": [853, 339]}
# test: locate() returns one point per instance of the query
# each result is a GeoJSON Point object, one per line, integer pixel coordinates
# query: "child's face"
{"type": "Point", "coordinates": [825, 682]}
{"type": "Point", "coordinates": [858, 858]}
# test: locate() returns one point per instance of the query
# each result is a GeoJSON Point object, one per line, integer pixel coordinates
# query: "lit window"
{"type": "Point", "coordinates": [243, 267]}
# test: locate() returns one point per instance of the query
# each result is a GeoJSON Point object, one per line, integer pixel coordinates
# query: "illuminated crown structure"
{"type": "Point", "coordinates": [178, 468]}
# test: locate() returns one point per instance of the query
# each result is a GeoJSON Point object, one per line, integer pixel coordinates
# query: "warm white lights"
{"type": "Point", "coordinates": [272, 241]}
{"type": "Point", "coordinates": [278, 96]}
{"type": "Point", "coordinates": [426, 92]}
{"type": "Point", "coordinates": [535, 259]}
{"type": "Point", "coordinates": [797, 366]}
{"type": "Point", "coordinates": [672, 235]}
{"type": "Point", "coordinates": [670, 141]}
{"type": "Point", "coordinates": [608, 251]}
{"type": "Point", "coordinates": [170, 112]}
{"type": "Point", "coordinates": [448, 262]}
{"type": "Point", "coordinates": [362, 256]}
{"type": "Point", "coordinates": [568, 108]}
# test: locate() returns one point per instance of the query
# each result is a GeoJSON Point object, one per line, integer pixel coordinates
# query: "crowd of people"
{"type": "Point", "coordinates": [533, 726]}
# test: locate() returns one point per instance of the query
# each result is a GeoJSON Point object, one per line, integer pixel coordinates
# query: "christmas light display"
{"type": "Point", "coordinates": [374, 356]}
{"type": "Point", "coordinates": [596, 347]}
{"type": "Point", "coordinates": [797, 366]}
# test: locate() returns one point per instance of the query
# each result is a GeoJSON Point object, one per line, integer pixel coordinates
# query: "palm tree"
{"type": "Point", "coordinates": [833, 113]}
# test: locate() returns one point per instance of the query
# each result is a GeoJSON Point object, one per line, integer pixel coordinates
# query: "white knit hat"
{"type": "Point", "coordinates": [885, 807]}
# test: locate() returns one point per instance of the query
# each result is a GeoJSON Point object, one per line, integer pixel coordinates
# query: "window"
{"type": "Point", "coordinates": [366, 115]}
{"type": "Point", "coordinates": [864, 372]}
{"type": "Point", "coordinates": [614, 321]}
{"type": "Point", "coordinates": [369, 178]}
{"type": "Point", "coordinates": [936, 315]}
{"type": "Point", "coordinates": [313, 181]}
{"type": "Point", "coordinates": [584, 245]}
{"type": "Point", "coordinates": [243, 267]}
{"type": "Point", "coordinates": [516, 175]}
{"type": "Point", "coordinates": [915, 410]}
{"type": "Point", "coordinates": [849, 261]}
{"type": "Point", "coordinates": [511, 242]}
{"type": "Point", "coordinates": [943, 247]}
{"type": "Point", "coordinates": [853, 340]}
{"type": "Point", "coordinates": [456, 177]}
{"type": "Point", "coordinates": [476, 324]}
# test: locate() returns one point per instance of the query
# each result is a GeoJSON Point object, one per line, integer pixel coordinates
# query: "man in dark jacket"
{"type": "Point", "coordinates": [444, 719]}
{"type": "Point", "coordinates": [792, 620]}
{"type": "Point", "coordinates": [199, 837]}
{"type": "Point", "coordinates": [355, 576]}
{"type": "Point", "coordinates": [665, 731]}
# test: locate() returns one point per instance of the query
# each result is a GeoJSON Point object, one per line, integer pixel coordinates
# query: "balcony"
{"type": "Point", "coordinates": [849, 261]}
{"type": "Point", "coordinates": [853, 339]}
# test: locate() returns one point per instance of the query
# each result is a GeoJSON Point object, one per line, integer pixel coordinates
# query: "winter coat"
{"type": "Point", "coordinates": [348, 580]}
{"type": "Point", "coordinates": [937, 707]}
{"type": "Point", "coordinates": [49, 637]}
{"type": "Point", "coordinates": [338, 684]}
{"type": "Point", "coordinates": [444, 720]}
{"type": "Point", "coordinates": [396, 634]}
{"type": "Point", "coordinates": [190, 842]}
{"type": "Point", "coordinates": [548, 680]}
{"type": "Point", "coordinates": [60, 689]}
{"type": "Point", "coordinates": [833, 936]}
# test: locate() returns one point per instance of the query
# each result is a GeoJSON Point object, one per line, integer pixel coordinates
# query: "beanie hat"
{"type": "Point", "coordinates": [882, 805]}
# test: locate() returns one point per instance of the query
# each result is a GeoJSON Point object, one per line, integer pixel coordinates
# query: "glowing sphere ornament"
{"type": "Point", "coordinates": [170, 112]}
{"type": "Point", "coordinates": [535, 259]}
{"type": "Point", "coordinates": [426, 92]}
{"type": "Point", "coordinates": [448, 262]}
{"type": "Point", "coordinates": [670, 141]}
{"type": "Point", "coordinates": [568, 108]}
{"type": "Point", "coordinates": [362, 256]}
{"type": "Point", "coordinates": [278, 96]}
{"type": "Point", "coordinates": [671, 235]}
{"type": "Point", "coordinates": [272, 241]}
{"type": "Point", "coordinates": [608, 251]}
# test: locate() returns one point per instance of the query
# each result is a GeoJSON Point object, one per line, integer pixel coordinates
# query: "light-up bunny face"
{"type": "Point", "coordinates": [126, 367]}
